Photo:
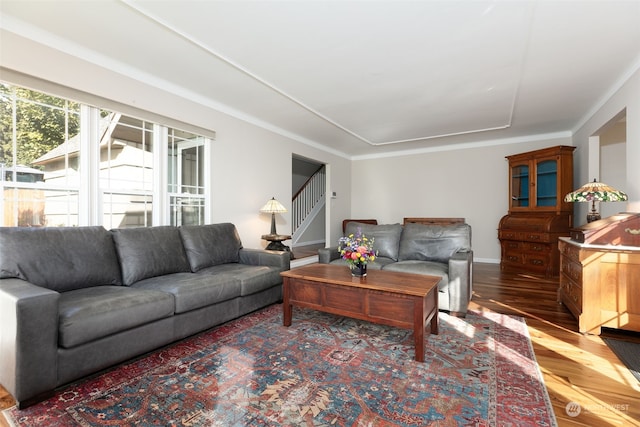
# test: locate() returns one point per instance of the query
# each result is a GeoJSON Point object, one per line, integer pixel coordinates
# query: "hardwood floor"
{"type": "Point", "coordinates": [576, 368]}
{"type": "Point", "coordinates": [306, 251]}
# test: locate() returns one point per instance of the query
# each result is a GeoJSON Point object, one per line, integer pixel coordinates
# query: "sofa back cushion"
{"type": "Point", "coordinates": [387, 237]}
{"type": "Point", "coordinates": [59, 258]}
{"type": "Point", "coordinates": [149, 252]}
{"type": "Point", "coordinates": [433, 242]}
{"type": "Point", "coordinates": [209, 245]}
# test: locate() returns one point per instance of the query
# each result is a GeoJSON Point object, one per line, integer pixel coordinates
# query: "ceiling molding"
{"type": "Point", "coordinates": [467, 145]}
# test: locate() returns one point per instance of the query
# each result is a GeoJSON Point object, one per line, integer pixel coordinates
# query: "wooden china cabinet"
{"type": "Point", "coordinates": [538, 214]}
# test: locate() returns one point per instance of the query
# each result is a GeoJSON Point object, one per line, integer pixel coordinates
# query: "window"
{"type": "Point", "coordinates": [186, 178]}
{"type": "Point", "coordinates": [40, 153]}
{"type": "Point", "coordinates": [36, 132]}
{"type": "Point", "coordinates": [126, 171]}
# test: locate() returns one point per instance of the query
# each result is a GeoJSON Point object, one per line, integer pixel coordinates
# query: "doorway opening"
{"type": "Point", "coordinates": [309, 202]}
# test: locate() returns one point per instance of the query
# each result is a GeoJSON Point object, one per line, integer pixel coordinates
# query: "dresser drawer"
{"type": "Point", "coordinates": [571, 295]}
{"type": "Point", "coordinates": [570, 251]}
{"type": "Point", "coordinates": [573, 270]}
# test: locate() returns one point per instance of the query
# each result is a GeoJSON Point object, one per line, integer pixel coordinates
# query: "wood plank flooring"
{"type": "Point", "coordinates": [576, 368]}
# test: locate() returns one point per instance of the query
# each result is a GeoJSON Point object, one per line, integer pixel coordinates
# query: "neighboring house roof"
{"type": "Point", "coordinates": [23, 169]}
{"type": "Point", "coordinates": [72, 145]}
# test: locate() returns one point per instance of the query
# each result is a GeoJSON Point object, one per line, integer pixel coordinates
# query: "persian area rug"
{"type": "Point", "coordinates": [323, 370]}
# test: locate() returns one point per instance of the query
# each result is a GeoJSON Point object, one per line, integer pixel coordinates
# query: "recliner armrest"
{"type": "Point", "coordinates": [460, 280]}
{"type": "Point", "coordinates": [279, 259]}
{"type": "Point", "coordinates": [326, 255]}
{"type": "Point", "coordinates": [28, 338]}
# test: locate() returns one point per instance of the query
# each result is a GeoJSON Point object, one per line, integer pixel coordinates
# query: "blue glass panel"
{"type": "Point", "coordinates": [547, 183]}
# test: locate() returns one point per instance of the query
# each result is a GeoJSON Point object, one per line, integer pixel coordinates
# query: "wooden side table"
{"type": "Point", "coordinates": [275, 242]}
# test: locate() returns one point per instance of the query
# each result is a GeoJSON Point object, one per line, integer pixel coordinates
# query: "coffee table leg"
{"type": "Point", "coordinates": [419, 321]}
{"type": "Point", "coordinates": [434, 319]}
{"type": "Point", "coordinates": [286, 306]}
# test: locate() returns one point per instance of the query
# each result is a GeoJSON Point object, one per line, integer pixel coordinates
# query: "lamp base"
{"type": "Point", "coordinates": [593, 216]}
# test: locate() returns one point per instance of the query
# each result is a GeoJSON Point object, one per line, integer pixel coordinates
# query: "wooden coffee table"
{"type": "Point", "coordinates": [396, 299]}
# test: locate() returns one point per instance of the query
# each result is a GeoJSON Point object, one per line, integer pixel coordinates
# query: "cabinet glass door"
{"type": "Point", "coordinates": [520, 186]}
{"type": "Point", "coordinates": [546, 182]}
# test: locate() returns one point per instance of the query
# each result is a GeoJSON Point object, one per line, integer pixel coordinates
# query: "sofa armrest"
{"type": "Point", "coordinates": [460, 281]}
{"type": "Point", "coordinates": [279, 259]}
{"type": "Point", "coordinates": [28, 338]}
{"type": "Point", "coordinates": [326, 255]}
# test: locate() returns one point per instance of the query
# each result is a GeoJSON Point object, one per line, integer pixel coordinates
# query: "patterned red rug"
{"type": "Point", "coordinates": [324, 370]}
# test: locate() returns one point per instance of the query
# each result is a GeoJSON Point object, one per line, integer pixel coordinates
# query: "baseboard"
{"type": "Point", "coordinates": [486, 260]}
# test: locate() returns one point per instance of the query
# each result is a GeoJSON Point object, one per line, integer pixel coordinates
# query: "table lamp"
{"type": "Point", "coordinates": [595, 192]}
{"type": "Point", "coordinates": [273, 207]}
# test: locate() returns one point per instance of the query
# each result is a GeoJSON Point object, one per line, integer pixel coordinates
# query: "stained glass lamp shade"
{"type": "Point", "coordinates": [595, 192]}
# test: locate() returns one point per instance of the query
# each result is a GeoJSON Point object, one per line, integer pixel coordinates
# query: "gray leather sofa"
{"type": "Point", "coordinates": [436, 250]}
{"type": "Point", "coordinates": [76, 300]}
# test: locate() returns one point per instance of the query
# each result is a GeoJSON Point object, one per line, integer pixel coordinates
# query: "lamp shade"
{"type": "Point", "coordinates": [596, 192]}
{"type": "Point", "coordinates": [273, 206]}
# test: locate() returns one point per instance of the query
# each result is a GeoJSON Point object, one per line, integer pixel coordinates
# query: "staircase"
{"type": "Point", "coordinates": [307, 203]}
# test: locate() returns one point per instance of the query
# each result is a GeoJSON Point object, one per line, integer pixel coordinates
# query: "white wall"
{"type": "Point", "coordinates": [613, 167]}
{"type": "Point", "coordinates": [626, 99]}
{"type": "Point", "coordinates": [470, 183]}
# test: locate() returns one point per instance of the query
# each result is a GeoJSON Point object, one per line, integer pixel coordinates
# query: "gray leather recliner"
{"type": "Point", "coordinates": [437, 250]}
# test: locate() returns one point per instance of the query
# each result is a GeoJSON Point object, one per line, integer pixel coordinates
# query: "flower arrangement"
{"type": "Point", "coordinates": [356, 249]}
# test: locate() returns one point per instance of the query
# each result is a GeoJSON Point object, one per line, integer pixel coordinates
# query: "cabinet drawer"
{"type": "Point", "coordinates": [573, 270]}
{"type": "Point", "coordinates": [535, 237]}
{"type": "Point", "coordinates": [512, 257]}
{"type": "Point", "coordinates": [510, 235]}
{"type": "Point", "coordinates": [569, 251]}
{"type": "Point", "coordinates": [537, 247]}
{"type": "Point", "coordinates": [572, 295]}
{"type": "Point", "coordinates": [511, 245]}
{"type": "Point", "coordinates": [538, 260]}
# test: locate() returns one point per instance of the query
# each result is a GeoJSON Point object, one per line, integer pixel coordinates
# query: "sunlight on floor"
{"type": "Point", "coordinates": [580, 400]}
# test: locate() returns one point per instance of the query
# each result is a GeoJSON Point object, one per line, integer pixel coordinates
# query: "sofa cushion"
{"type": "Point", "coordinates": [252, 278]}
{"type": "Point", "coordinates": [209, 245]}
{"type": "Point", "coordinates": [149, 251]}
{"type": "Point", "coordinates": [433, 242]}
{"type": "Point", "coordinates": [387, 237]}
{"type": "Point", "coordinates": [91, 313]}
{"type": "Point", "coordinates": [191, 291]}
{"type": "Point", "coordinates": [59, 258]}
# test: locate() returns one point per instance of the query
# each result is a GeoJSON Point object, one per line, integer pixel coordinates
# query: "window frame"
{"type": "Point", "coordinates": [90, 195]}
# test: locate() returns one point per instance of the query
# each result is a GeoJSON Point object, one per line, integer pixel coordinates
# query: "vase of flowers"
{"type": "Point", "coordinates": [357, 250]}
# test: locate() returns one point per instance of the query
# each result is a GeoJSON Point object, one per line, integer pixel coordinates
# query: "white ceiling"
{"type": "Point", "coordinates": [361, 77]}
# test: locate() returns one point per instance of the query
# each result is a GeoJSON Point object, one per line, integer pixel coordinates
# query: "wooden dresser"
{"type": "Point", "coordinates": [538, 214]}
{"type": "Point", "coordinates": [600, 282]}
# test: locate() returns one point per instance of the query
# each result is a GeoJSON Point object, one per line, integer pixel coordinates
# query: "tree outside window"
{"type": "Point", "coordinates": [40, 149]}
